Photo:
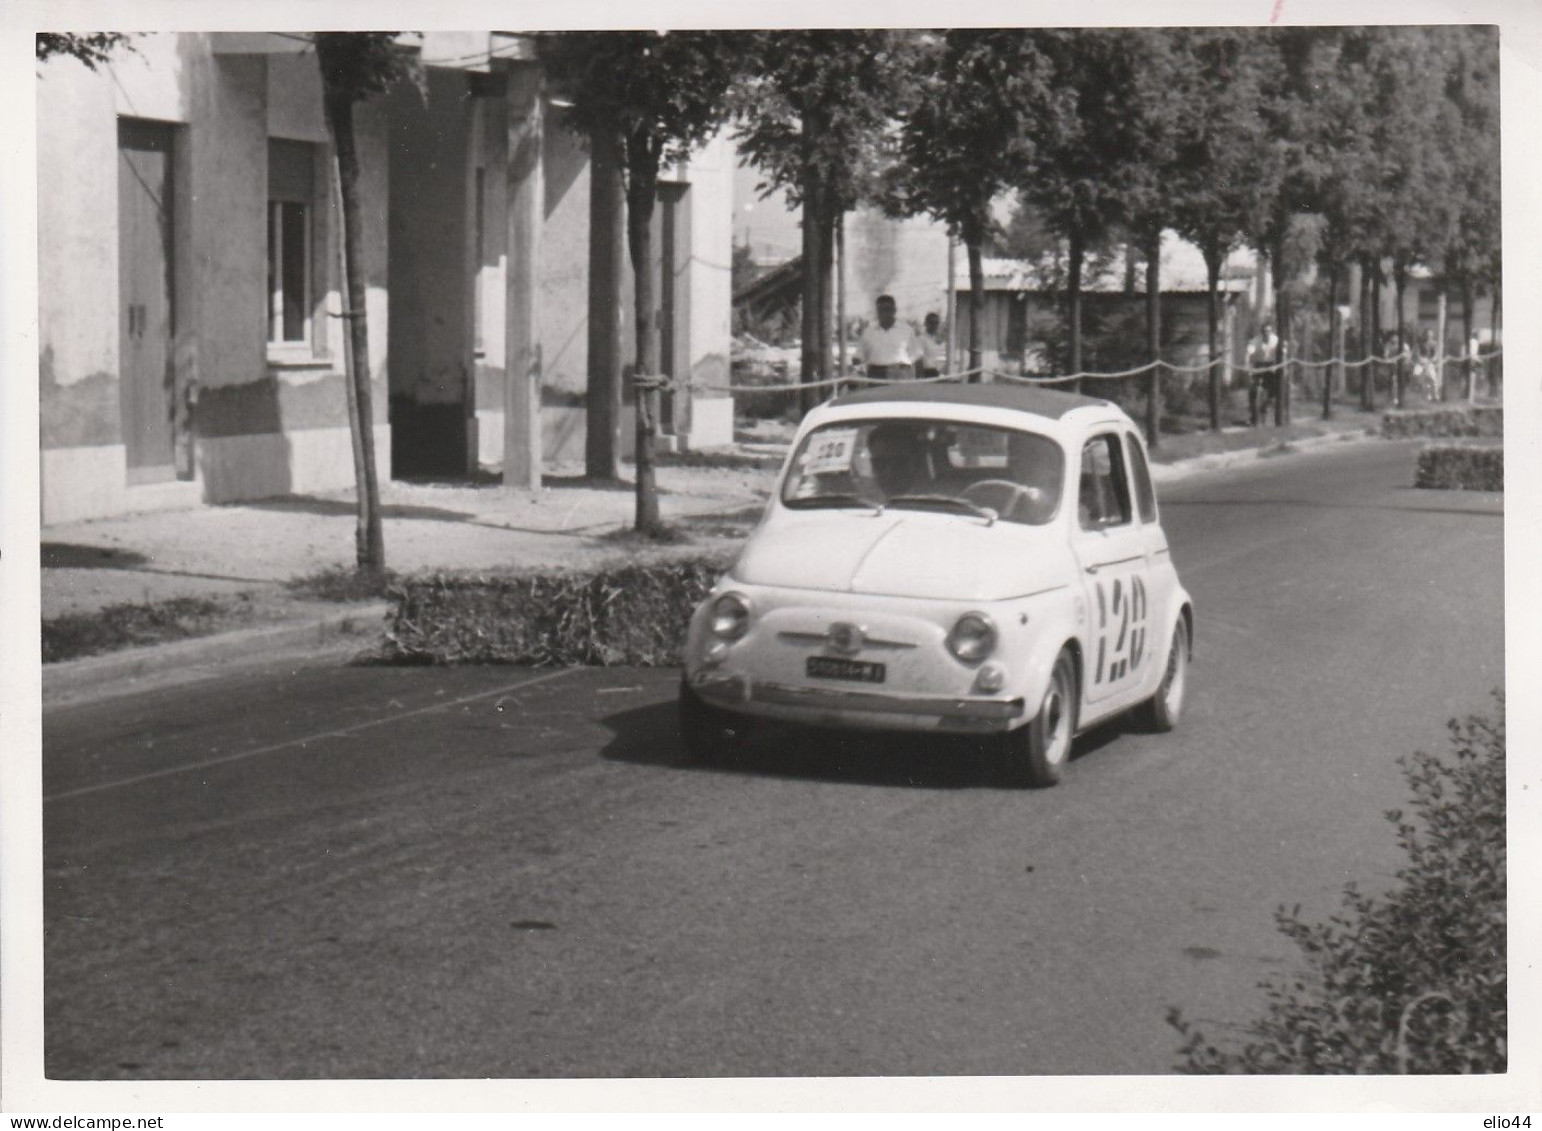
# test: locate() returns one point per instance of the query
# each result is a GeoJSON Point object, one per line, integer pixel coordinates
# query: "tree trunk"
{"type": "Point", "coordinates": [1494, 363]}
{"type": "Point", "coordinates": [369, 538]}
{"type": "Point", "coordinates": [607, 248]}
{"type": "Point", "coordinates": [1472, 366]}
{"type": "Point", "coordinates": [829, 220]}
{"type": "Point", "coordinates": [972, 244]}
{"type": "Point", "coordinates": [813, 298]}
{"type": "Point", "coordinates": [1376, 351]}
{"type": "Point", "coordinates": [1280, 378]}
{"type": "Point", "coordinates": [1367, 389]}
{"type": "Point", "coordinates": [1213, 326]}
{"type": "Point", "coordinates": [1399, 374]}
{"type": "Point", "coordinates": [1334, 374]}
{"type": "Point", "coordinates": [642, 193]}
{"type": "Point", "coordinates": [1153, 251]}
{"type": "Point", "coordinates": [840, 296]}
{"type": "Point", "coordinates": [1074, 299]}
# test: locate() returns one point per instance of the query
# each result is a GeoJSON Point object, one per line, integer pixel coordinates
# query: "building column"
{"type": "Point", "coordinates": [522, 349]}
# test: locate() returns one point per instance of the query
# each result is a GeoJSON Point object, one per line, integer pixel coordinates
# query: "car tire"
{"type": "Point", "coordinates": [708, 733]}
{"type": "Point", "coordinates": [1037, 754]}
{"type": "Point", "coordinates": [1162, 711]}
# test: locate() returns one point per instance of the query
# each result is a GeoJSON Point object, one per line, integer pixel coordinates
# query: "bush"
{"type": "Point", "coordinates": [1413, 982]}
{"type": "Point", "coordinates": [1461, 467]}
{"type": "Point", "coordinates": [1444, 420]}
{"type": "Point", "coordinates": [633, 614]}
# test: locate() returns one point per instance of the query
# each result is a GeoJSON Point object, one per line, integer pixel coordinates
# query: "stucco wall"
{"type": "Point", "coordinates": [565, 261]}
{"type": "Point", "coordinates": [77, 140]}
{"type": "Point", "coordinates": [430, 218]}
{"type": "Point", "coordinates": [710, 274]}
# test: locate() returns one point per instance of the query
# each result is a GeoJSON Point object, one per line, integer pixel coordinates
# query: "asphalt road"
{"type": "Point", "coordinates": [357, 872]}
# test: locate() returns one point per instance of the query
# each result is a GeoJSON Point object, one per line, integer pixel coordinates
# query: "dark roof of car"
{"type": "Point", "coordinates": [1024, 398]}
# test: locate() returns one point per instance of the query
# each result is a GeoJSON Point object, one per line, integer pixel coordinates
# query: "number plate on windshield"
{"type": "Point", "coordinates": [833, 667]}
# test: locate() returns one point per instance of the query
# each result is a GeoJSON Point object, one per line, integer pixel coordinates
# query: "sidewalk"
{"type": "Point", "coordinates": [244, 557]}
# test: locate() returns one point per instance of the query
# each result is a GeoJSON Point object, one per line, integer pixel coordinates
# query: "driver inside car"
{"type": "Point", "coordinates": [897, 453]}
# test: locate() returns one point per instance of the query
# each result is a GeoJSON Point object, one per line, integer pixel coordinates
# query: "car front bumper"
{"type": "Point", "coordinates": [838, 706]}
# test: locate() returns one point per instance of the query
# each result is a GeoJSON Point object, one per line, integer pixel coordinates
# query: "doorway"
{"type": "Point", "coordinates": [146, 311]}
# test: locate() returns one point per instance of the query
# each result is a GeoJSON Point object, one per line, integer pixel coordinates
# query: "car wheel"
{"type": "Point", "coordinates": [1037, 754]}
{"type": "Point", "coordinates": [708, 733]}
{"type": "Point", "coordinates": [1165, 707]}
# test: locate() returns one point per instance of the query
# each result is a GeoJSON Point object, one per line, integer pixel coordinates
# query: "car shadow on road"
{"type": "Point", "coordinates": [650, 736]}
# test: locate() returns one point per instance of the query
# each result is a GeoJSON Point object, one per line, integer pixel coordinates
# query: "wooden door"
{"type": "Point", "coordinates": [145, 315]}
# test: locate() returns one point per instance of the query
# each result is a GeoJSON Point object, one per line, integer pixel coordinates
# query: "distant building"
{"type": "Point", "coordinates": [192, 344]}
{"type": "Point", "coordinates": [1024, 313]}
{"type": "Point", "coordinates": [904, 258]}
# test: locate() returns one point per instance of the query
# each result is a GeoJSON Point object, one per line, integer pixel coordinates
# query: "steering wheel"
{"type": "Point", "coordinates": [1017, 494]}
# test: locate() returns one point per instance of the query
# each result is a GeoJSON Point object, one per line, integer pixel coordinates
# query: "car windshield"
{"type": "Point", "coordinates": [928, 464]}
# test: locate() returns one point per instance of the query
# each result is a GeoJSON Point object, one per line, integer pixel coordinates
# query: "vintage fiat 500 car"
{"type": "Point", "coordinates": [972, 559]}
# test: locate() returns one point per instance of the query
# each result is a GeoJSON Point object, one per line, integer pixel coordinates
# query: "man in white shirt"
{"type": "Point", "coordinates": [889, 350]}
{"type": "Point", "coordinates": [933, 348]}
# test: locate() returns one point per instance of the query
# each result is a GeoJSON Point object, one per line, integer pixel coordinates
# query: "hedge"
{"type": "Point", "coordinates": [1487, 420]}
{"type": "Point", "coordinates": [1461, 467]}
{"type": "Point", "coordinates": [1413, 981]}
{"type": "Point", "coordinates": [632, 614]}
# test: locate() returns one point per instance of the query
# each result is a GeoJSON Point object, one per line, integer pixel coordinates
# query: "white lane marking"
{"type": "Point", "coordinates": [345, 732]}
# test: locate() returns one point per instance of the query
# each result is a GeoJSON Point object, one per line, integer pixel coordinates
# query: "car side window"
{"type": "Point", "coordinates": [1103, 498]}
{"type": "Point", "coordinates": [1144, 495]}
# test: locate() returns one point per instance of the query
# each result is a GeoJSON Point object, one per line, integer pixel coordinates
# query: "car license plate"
{"type": "Point", "coordinates": [833, 667]}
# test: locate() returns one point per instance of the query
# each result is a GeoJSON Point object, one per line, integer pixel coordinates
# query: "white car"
{"type": "Point", "coordinates": [967, 559]}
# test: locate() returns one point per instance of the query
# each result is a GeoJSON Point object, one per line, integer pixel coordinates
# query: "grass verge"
{"type": "Point", "coordinates": [134, 624]}
{"type": "Point", "coordinates": [1413, 981]}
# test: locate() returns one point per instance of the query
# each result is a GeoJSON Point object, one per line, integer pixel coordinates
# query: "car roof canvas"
{"type": "Point", "coordinates": [1049, 403]}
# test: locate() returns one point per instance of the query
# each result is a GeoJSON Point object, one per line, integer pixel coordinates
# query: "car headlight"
{"type": "Point", "coordinates": [730, 617]}
{"type": "Point", "coordinates": [973, 638]}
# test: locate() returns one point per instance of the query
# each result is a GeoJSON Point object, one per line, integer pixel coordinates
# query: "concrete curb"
{"type": "Point", "coordinates": [347, 630]}
{"type": "Point", "coordinates": [1162, 472]}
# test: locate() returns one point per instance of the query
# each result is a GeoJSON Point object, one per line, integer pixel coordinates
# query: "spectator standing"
{"type": "Point", "coordinates": [934, 349]}
{"type": "Point", "coordinates": [889, 350]}
{"type": "Point", "coordinates": [1261, 354]}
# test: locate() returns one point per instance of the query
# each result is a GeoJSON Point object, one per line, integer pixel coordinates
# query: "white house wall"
{"type": "Point", "coordinates": [249, 408]}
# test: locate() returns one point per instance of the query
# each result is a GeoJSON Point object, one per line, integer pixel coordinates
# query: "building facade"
{"type": "Point", "coordinates": [192, 333]}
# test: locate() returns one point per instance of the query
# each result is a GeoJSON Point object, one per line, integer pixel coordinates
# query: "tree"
{"type": "Point", "coordinates": [1224, 167]}
{"type": "Point", "coordinates": [354, 67]}
{"type": "Point", "coordinates": [1471, 150]}
{"type": "Point", "coordinates": [1151, 190]}
{"type": "Point", "coordinates": [1291, 111]}
{"type": "Point", "coordinates": [1414, 176]}
{"type": "Point", "coordinates": [815, 116]}
{"type": "Point", "coordinates": [1081, 152]}
{"type": "Point", "coordinates": [661, 95]}
{"type": "Point", "coordinates": [91, 49]}
{"type": "Point", "coordinates": [965, 136]}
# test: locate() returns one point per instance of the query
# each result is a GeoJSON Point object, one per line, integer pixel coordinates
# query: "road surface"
{"type": "Point", "coordinates": [495, 872]}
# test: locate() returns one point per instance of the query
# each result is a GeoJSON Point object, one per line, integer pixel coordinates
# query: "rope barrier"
{"type": "Point", "coordinates": [794, 386]}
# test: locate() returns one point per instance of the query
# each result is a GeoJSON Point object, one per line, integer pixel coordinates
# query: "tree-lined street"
{"type": "Point", "coordinates": [411, 872]}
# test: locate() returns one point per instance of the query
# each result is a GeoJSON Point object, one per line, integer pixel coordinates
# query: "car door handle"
{"type": "Point", "coordinates": [1121, 561]}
